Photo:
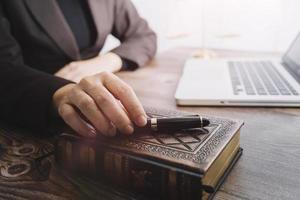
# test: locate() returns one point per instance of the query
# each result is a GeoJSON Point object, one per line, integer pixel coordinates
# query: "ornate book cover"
{"type": "Point", "coordinates": [187, 164]}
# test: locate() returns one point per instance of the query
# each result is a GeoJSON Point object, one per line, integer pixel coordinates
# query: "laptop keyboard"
{"type": "Point", "coordinates": [258, 78]}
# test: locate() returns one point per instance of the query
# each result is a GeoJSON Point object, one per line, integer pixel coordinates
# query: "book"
{"type": "Point", "coordinates": [188, 164]}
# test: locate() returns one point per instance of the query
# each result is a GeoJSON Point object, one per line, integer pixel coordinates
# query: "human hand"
{"type": "Point", "coordinates": [77, 70]}
{"type": "Point", "coordinates": [100, 103]}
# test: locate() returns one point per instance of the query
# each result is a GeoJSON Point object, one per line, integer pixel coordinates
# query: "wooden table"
{"type": "Point", "coordinates": [268, 169]}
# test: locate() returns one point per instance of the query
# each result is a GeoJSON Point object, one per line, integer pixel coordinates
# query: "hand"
{"type": "Point", "coordinates": [77, 70]}
{"type": "Point", "coordinates": [100, 103]}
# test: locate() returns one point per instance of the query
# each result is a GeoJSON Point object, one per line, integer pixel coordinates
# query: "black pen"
{"type": "Point", "coordinates": [176, 123]}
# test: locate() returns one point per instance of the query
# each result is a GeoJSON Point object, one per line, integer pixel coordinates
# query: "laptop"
{"type": "Point", "coordinates": [242, 82]}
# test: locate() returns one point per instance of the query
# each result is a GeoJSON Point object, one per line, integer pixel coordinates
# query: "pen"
{"type": "Point", "coordinates": [176, 123]}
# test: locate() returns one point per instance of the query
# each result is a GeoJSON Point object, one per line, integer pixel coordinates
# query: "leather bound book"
{"type": "Point", "coordinates": [189, 164]}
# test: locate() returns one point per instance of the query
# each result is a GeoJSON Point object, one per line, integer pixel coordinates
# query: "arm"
{"type": "Point", "coordinates": [138, 41]}
{"type": "Point", "coordinates": [26, 94]}
{"type": "Point", "coordinates": [77, 70]}
{"type": "Point", "coordinates": [98, 104]}
{"type": "Point", "coordinates": [101, 103]}
{"type": "Point", "coordinates": [138, 46]}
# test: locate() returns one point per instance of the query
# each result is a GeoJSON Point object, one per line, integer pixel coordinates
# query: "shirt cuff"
{"type": "Point", "coordinates": [128, 65]}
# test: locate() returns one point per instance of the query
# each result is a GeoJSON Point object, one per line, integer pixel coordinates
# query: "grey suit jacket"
{"type": "Point", "coordinates": [47, 42]}
{"type": "Point", "coordinates": [35, 40]}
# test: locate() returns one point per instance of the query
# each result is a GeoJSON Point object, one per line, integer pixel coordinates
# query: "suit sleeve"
{"type": "Point", "coordinates": [25, 93]}
{"type": "Point", "coordinates": [138, 41]}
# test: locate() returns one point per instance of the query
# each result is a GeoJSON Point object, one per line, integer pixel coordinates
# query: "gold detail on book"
{"type": "Point", "coordinates": [92, 160]}
{"type": "Point", "coordinates": [161, 163]}
{"type": "Point", "coordinates": [172, 184]}
{"type": "Point", "coordinates": [118, 166]}
{"type": "Point", "coordinates": [109, 163]}
{"type": "Point", "coordinates": [186, 141]}
{"type": "Point", "coordinates": [84, 157]}
{"type": "Point", "coordinates": [68, 153]}
{"type": "Point", "coordinates": [219, 166]}
{"type": "Point", "coordinates": [139, 178]}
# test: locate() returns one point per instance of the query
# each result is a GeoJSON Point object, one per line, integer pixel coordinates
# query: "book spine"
{"type": "Point", "coordinates": [126, 172]}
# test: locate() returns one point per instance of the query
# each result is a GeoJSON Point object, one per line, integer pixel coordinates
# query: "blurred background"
{"type": "Point", "coordinates": [249, 25]}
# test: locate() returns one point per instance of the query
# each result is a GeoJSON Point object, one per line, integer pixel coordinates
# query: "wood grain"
{"type": "Point", "coordinates": [268, 169]}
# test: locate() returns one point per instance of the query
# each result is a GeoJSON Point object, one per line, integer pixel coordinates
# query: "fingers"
{"type": "Point", "coordinates": [105, 102]}
{"type": "Point", "coordinates": [90, 110]}
{"type": "Point", "coordinates": [126, 95]}
{"type": "Point", "coordinates": [109, 106]}
{"type": "Point", "coordinates": [71, 117]}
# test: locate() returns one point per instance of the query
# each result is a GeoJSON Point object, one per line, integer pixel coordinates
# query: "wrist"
{"type": "Point", "coordinates": [112, 60]}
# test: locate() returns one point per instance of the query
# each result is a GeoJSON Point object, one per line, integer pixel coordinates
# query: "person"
{"type": "Point", "coordinates": [41, 38]}
{"type": "Point", "coordinates": [65, 37]}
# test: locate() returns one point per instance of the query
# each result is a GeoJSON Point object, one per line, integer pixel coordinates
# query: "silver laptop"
{"type": "Point", "coordinates": [242, 82]}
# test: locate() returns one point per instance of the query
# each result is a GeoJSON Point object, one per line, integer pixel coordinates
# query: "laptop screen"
{"type": "Point", "coordinates": [291, 59]}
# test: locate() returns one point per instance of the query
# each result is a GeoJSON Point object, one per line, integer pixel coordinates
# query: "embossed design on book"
{"type": "Point", "coordinates": [186, 141]}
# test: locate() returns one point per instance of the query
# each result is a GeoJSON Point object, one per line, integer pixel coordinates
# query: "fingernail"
{"type": "Point", "coordinates": [129, 129]}
{"type": "Point", "coordinates": [141, 120]}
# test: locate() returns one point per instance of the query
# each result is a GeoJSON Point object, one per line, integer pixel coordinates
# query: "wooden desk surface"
{"type": "Point", "coordinates": [270, 165]}
{"type": "Point", "coordinates": [268, 169]}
